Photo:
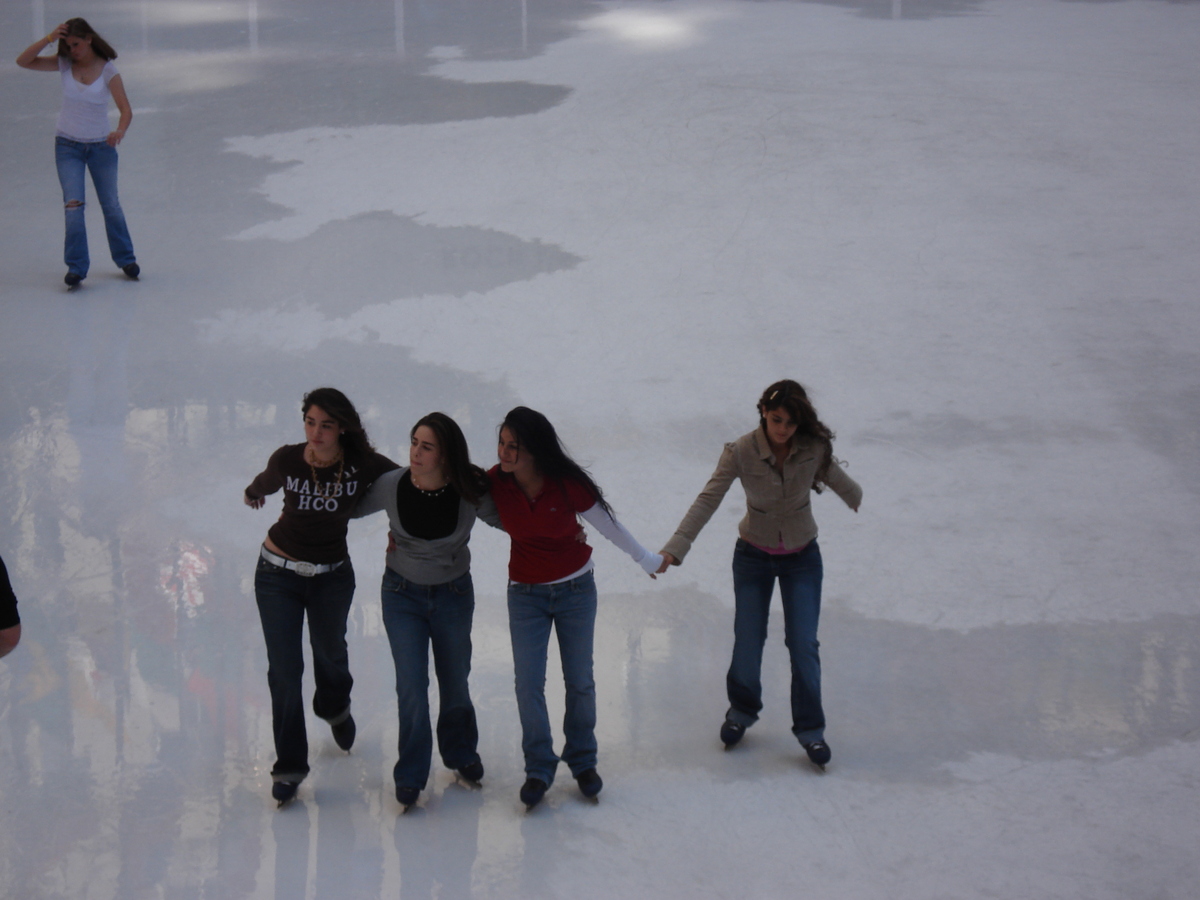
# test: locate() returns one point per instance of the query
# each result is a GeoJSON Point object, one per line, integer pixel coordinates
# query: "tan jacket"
{"type": "Point", "coordinates": [778, 508]}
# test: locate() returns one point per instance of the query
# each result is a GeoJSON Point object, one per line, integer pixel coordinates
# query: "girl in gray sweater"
{"type": "Point", "coordinates": [428, 598]}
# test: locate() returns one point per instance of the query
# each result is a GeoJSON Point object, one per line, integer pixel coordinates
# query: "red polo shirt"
{"type": "Point", "coordinates": [544, 531]}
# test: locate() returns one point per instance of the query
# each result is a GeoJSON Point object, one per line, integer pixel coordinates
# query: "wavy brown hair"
{"type": "Point", "coordinates": [81, 29]}
{"type": "Point", "coordinates": [355, 443]}
{"type": "Point", "coordinates": [791, 396]}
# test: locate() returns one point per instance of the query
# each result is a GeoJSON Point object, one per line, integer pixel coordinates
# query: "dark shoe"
{"type": "Point", "coordinates": [473, 772]}
{"type": "Point", "coordinates": [132, 271]}
{"type": "Point", "coordinates": [407, 796]}
{"type": "Point", "coordinates": [72, 279]}
{"type": "Point", "coordinates": [283, 791]}
{"type": "Point", "coordinates": [590, 782]}
{"type": "Point", "coordinates": [731, 733]}
{"type": "Point", "coordinates": [344, 732]}
{"type": "Point", "coordinates": [819, 753]}
{"type": "Point", "coordinates": [532, 792]}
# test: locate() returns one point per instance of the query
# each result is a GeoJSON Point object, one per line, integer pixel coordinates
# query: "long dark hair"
{"type": "Point", "coordinates": [81, 29]}
{"type": "Point", "coordinates": [791, 396]}
{"type": "Point", "coordinates": [355, 443]}
{"type": "Point", "coordinates": [465, 477]}
{"type": "Point", "coordinates": [538, 438]}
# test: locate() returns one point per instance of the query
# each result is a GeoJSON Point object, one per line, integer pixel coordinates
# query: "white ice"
{"type": "Point", "coordinates": [970, 226]}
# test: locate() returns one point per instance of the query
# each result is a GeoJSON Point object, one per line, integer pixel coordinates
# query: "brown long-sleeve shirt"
{"type": "Point", "coordinates": [312, 526]}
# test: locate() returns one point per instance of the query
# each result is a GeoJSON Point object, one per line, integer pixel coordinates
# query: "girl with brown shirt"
{"type": "Point", "coordinates": [304, 570]}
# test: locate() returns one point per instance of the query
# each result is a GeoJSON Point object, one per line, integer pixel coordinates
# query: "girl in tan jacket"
{"type": "Point", "coordinates": [780, 464]}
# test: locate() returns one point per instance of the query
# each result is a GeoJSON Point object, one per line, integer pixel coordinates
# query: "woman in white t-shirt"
{"type": "Point", "coordinates": [83, 140]}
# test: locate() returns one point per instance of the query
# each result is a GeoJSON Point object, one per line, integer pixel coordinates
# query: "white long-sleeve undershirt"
{"type": "Point", "coordinates": [620, 537]}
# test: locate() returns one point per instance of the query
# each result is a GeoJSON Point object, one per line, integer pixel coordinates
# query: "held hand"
{"type": "Point", "coordinates": [253, 502]}
{"type": "Point", "coordinates": [581, 535]}
{"type": "Point", "coordinates": [391, 547]}
{"type": "Point", "coordinates": [668, 560]}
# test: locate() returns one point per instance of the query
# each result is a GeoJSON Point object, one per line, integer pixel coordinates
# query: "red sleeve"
{"type": "Point", "coordinates": [580, 497]}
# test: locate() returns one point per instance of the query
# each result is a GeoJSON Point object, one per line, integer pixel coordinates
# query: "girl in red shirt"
{"type": "Point", "coordinates": [539, 492]}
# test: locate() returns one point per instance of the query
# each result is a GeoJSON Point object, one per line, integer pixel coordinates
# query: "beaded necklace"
{"type": "Point", "coordinates": [437, 492]}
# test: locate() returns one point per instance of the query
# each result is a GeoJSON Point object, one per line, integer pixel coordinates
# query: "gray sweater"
{"type": "Point", "coordinates": [418, 560]}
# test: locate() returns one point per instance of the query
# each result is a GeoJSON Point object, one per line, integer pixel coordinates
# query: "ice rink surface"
{"type": "Point", "coordinates": [970, 227]}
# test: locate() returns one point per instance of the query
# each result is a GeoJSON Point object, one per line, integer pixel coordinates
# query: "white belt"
{"type": "Point", "coordinates": [307, 569]}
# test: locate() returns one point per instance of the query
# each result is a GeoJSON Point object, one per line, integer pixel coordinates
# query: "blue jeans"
{"type": "Point", "coordinates": [284, 598]}
{"type": "Point", "coordinates": [72, 158]}
{"type": "Point", "coordinates": [416, 616]}
{"type": "Point", "coordinates": [571, 608]}
{"type": "Point", "coordinates": [799, 575]}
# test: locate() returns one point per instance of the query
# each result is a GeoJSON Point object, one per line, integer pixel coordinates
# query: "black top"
{"type": "Point", "coordinates": [427, 515]}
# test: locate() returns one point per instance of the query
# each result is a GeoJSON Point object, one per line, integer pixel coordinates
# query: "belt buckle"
{"type": "Point", "coordinates": [307, 569]}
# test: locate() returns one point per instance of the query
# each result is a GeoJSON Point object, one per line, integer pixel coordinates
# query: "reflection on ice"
{"type": "Point", "coordinates": [154, 714]}
{"type": "Point", "coordinates": [650, 29]}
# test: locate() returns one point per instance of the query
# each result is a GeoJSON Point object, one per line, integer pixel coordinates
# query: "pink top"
{"type": "Point", "coordinates": [776, 551]}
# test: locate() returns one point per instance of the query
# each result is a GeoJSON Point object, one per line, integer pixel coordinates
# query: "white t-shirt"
{"type": "Point", "coordinates": [84, 113]}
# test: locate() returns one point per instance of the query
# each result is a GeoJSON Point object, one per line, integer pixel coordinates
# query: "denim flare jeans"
{"type": "Point", "coordinates": [284, 598]}
{"type": "Point", "coordinates": [799, 575]}
{"type": "Point", "coordinates": [570, 607]}
{"type": "Point", "coordinates": [72, 159]}
{"type": "Point", "coordinates": [417, 616]}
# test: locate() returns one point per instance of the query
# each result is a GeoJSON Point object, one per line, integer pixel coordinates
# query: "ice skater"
{"type": "Point", "coordinates": [779, 463]}
{"type": "Point", "coordinates": [304, 569]}
{"type": "Point", "coordinates": [428, 597]}
{"type": "Point", "coordinates": [539, 492]}
{"type": "Point", "coordinates": [83, 140]}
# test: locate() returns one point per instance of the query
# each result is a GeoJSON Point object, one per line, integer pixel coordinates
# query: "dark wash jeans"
{"type": "Point", "coordinates": [570, 608]}
{"type": "Point", "coordinates": [799, 575]}
{"type": "Point", "coordinates": [284, 599]}
{"type": "Point", "coordinates": [416, 617]}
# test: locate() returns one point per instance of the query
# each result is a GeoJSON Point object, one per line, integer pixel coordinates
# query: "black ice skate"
{"type": "Point", "coordinates": [819, 753]}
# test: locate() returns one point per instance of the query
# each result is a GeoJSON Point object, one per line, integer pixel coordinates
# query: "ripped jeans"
{"type": "Point", "coordinates": [72, 158]}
